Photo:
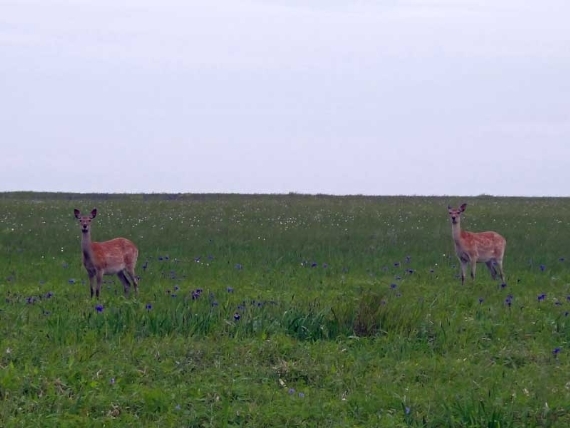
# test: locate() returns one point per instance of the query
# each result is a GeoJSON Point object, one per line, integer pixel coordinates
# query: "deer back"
{"type": "Point", "coordinates": [483, 245]}
{"type": "Point", "coordinates": [114, 255]}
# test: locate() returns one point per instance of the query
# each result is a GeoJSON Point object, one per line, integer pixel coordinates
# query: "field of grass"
{"type": "Point", "coordinates": [291, 310]}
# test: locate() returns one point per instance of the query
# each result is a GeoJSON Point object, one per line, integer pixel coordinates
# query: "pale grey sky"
{"type": "Point", "coordinates": [417, 97]}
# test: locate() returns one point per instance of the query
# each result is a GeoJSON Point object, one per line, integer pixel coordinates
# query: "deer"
{"type": "Point", "coordinates": [115, 257]}
{"type": "Point", "coordinates": [472, 248]}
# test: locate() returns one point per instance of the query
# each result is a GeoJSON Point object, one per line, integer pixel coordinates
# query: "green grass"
{"type": "Point", "coordinates": [314, 311]}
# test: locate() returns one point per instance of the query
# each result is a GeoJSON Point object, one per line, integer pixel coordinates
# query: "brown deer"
{"type": "Point", "coordinates": [117, 256]}
{"type": "Point", "coordinates": [471, 248]}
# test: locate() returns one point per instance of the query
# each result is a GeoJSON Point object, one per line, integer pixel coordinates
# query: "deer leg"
{"type": "Point", "coordinates": [463, 270]}
{"type": "Point", "coordinates": [99, 277]}
{"type": "Point", "coordinates": [500, 268]}
{"type": "Point", "coordinates": [131, 274]}
{"type": "Point", "coordinates": [125, 281]}
{"type": "Point", "coordinates": [473, 268]}
{"type": "Point", "coordinates": [491, 267]}
{"type": "Point", "coordinates": [92, 283]}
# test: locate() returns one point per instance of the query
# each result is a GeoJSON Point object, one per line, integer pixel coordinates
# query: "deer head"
{"type": "Point", "coordinates": [455, 214]}
{"type": "Point", "coordinates": [85, 220]}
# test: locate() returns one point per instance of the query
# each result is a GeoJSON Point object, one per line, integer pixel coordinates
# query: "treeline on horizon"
{"type": "Point", "coordinates": [70, 196]}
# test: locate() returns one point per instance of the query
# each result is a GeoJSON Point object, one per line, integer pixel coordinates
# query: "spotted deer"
{"type": "Point", "coordinates": [115, 257]}
{"type": "Point", "coordinates": [471, 248]}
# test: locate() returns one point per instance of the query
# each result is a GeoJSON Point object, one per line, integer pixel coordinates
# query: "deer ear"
{"type": "Point", "coordinates": [462, 207]}
{"type": "Point", "coordinates": [93, 212]}
{"type": "Point", "coordinates": [77, 213]}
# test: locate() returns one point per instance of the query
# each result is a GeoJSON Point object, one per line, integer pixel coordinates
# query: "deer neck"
{"type": "Point", "coordinates": [456, 232]}
{"type": "Point", "coordinates": [86, 245]}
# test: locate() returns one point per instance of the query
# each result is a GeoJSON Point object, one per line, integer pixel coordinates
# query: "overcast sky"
{"type": "Point", "coordinates": [415, 97]}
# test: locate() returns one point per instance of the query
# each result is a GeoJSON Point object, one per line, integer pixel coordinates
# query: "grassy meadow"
{"type": "Point", "coordinates": [284, 310]}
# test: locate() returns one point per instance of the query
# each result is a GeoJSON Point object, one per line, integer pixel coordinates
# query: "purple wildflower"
{"type": "Point", "coordinates": [541, 297]}
{"type": "Point", "coordinates": [99, 307]}
{"type": "Point", "coordinates": [237, 316]}
{"type": "Point", "coordinates": [148, 306]}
